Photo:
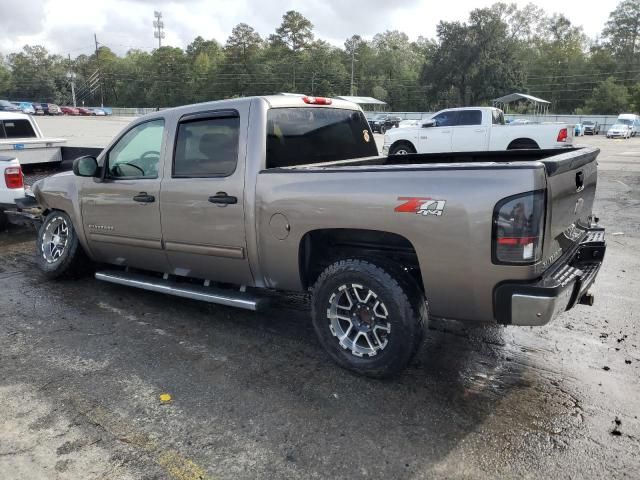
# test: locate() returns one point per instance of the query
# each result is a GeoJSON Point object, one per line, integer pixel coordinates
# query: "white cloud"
{"type": "Point", "coordinates": [67, 26]}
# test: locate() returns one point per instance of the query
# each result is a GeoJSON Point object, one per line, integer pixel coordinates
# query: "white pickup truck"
{"type": "Point", "coordinates": [21, 137]}
{"type": "Point", "coordinates": [11, 186]}
{"type": "Point", "coordinates": [474, 129]}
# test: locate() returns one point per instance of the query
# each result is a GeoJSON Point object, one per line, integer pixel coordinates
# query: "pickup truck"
{"type": "Point", "coordinates": [219, 201]}
{"type": "Point", "coordinates": [21, 137]}
{"type": "Point", "coordinates": [474, 129]}
{"type": "Point", "coordinates": [11, 186]}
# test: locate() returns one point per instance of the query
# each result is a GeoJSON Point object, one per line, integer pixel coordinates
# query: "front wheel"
{"type": "Point", "coordinates": [370, 319]}
{"type": "Point", "coordinates": [402, 148]}
{"type": "Point", "coordinates": [59, 253]}
{"type": "Point", "coordinates": [383, 129]}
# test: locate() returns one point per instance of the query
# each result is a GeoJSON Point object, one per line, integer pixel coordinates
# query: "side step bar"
{"type": "Point", "coordinates": [195, 292]}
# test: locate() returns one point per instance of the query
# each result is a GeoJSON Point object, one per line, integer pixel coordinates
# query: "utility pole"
{"type": "Point", "coordinates": [353, 61]}
{"type": "Point", "coordinates": [71, 75]}
{"type": "Point", "coordinates": [158, 25]}
{"type": "Point", "coordinates": [95, 37]}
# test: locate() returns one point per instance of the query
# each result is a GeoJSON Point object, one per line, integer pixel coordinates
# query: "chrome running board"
{"type": "Point", "coordinates": [195, 292]}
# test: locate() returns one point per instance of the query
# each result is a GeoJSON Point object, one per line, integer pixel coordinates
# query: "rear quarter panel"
{"type": "Point", "coordinates": [545, 135]}
{"type": "Point", "coordinates": [454, 250]}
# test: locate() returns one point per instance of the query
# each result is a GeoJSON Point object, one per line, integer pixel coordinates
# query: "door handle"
{"type": "Point", "coordinates": [479, 130]}
{"type": "Point", "coordinates": [144, 197]}
{"type": "Point", "coordinates": [446, 131]}
{"type": "Point", "coordinates": [221, 198]}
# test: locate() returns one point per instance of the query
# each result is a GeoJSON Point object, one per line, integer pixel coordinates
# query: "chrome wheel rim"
{"type": "Point", "coordinates": [359, 320]}
{"type": "Point", "coordinates": [55, 239]}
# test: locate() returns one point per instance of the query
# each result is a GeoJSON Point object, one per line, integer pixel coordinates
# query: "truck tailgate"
{"type": "Point", "coordinates": [571, 189]}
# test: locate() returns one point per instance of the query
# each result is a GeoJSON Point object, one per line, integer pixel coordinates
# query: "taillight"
{"type": "Point", "coordinates": [13, 177]}
{"type": "Point", "coordinates": [317, 100]}
{"type": "Point", "coordinates": [562, 135]}
{"type": "Point", "coordinates": [518, 228]}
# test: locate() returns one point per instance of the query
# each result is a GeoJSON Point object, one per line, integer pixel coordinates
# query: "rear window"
{"type": "Point", "coordinates": [302, 136]}
{"type": "Point", "coordinates": [17, 129]}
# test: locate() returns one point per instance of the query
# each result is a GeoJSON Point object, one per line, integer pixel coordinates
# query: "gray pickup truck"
{"type": "Point", "coordinates": [220, 200]}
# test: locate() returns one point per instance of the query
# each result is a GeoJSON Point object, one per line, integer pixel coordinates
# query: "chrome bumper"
{"type": "Point", "coordinates": [560, 288]}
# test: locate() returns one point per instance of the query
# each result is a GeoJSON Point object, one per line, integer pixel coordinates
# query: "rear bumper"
{"type": "Point", "coordinates": [560, 288]}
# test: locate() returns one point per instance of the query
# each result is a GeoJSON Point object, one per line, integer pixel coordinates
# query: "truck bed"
{"type": "Point", "coordinates": [555, 161]}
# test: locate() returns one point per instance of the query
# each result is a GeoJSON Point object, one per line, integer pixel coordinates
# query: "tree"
{"type": "Point", "coordinates": [608, 98]}
{"type": "Point", "coordinates": [5, 78]}
{"type": "Point", "coordinates": [243, 42]}
{"type": "Point", "coordinates": [622, 31]}
{"type": "Point", "coordinates": [295, 31]}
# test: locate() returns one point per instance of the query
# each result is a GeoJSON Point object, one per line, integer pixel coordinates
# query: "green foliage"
{"type": "Point", "coordinates": [498, 50]}
{"type": "Point", "coordinates": [608, 98]}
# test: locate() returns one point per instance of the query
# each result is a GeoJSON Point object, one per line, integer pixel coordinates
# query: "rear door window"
{"type": "Point", "coordinates": [303, 136]}
{"type": "Point", "coordinates": [469, 117]}
{"type": "Point", "coordinates": [207, 147]}
{"type": "Point", "coordinates": [18, 129]}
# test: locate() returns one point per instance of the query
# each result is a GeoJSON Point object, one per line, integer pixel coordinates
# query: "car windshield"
{"type": "Point", "coordinates": [624, 122]}
{"type": "Point", "coordinates": [618, 126]}
{"type": "Point", "coordinates": [587, 123]}
{"type": "Point", "coordinates": [379, 117]}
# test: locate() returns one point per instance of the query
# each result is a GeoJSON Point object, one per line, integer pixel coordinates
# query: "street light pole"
{"type": "Point", "coordinates": [71, 75]}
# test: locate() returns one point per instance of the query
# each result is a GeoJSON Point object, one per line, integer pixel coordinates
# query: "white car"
{"type": "Point", "coordinates": [11, 185]}
{"type": "Point", "coordinates": [619, 130]}
{"type": "Point", "coordinates": [474, 129]}
{"type": "Point", "coordinates": [631, 120]}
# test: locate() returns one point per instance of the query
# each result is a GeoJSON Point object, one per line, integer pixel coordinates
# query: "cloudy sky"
{"type": "Point", "coordinates": [67, 26]}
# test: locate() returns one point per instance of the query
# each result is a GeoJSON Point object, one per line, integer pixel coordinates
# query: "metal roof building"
{"type": "Point", "coordinates": [539, 105]}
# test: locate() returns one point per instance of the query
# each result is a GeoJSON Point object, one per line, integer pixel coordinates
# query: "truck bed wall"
{"type": "Point", "coordinates": [454, 250]}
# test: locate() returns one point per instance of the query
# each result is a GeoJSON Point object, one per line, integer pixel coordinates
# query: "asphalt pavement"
{"type": "Point", "coordinates": [107, 382]}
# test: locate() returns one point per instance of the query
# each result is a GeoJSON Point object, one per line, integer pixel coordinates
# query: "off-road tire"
{"type": "Point", "coordinates": [402, 298]}
{"type": "Point", "coordinates": [72, 262]}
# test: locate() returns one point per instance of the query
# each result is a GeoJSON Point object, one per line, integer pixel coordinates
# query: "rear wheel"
{"type": "Point", "coordinates": [383, 129]}
{"type": "Point", "coordinates": [369, 318]}
{"type": "Point", "coordinates": [523, 144]}
{"type": "Point", "coordinates": [59, 253]}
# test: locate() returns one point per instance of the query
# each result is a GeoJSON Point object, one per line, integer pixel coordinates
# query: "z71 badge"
{"type": "Point", "coordinates": [421, 206]}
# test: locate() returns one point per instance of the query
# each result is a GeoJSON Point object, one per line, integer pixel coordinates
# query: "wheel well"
{"type": "Point", "coordinates": [403, 142]}
{"type": "Point", "coordinates": [523, 143]}
{"type": "Point", "coordinates": [320, 248]}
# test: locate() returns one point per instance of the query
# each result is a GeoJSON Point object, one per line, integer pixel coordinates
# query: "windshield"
{"type": "Point", "coordinates": [624, 122]}
{"type": "Point", "coordinates": [379, 117]}
{"type": "Point", "coordinates": [619, 126]}
{"type": "Point", "coordinates": [302, 136]}
{"type": "Point", "coordinates": [587, 123]}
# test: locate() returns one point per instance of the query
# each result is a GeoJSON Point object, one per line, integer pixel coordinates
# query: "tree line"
{"type": "Point", "coordinates": [498, 50]}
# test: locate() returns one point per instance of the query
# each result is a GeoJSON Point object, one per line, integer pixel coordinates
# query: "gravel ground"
{"type": "Point", "coordinates": [83, 365]}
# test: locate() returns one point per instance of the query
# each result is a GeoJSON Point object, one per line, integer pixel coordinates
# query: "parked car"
{"type": "Point", "coordinates": [7, 106]}
{"type": "Point", "coordinates": [519, 121]}
{"type": "Point", "coordinates": [474, 129]}
{"type": "Point", "coordinates": [383, 122]}
{"type": "Point", "coordinates": [578, 130]}
{"type": "Point", "coordinates": [98, 112]}
{"type": "Point", "coordinates": [51, 109]}
{"type": "Point", "coordinates": [25, 107]}
{"type": "Point", "coordinates": [84, 111]}
{"type": "Point", "coordinates": [37, 107]}
{"type": "Point", "coordinates": [21, 137]}
{"type": "Point", "coordinates": [619, 130]}
{"type": "Point", "coordinates": [631, 120]}
{"type": "Point", "coordinates": [591, 127]}
{"type": "Point", "coordinates": [409, 123]}
{"type": "Point", "coordinates": [69, 111]}
{"type": "Point", "coordinates": [255, 192]}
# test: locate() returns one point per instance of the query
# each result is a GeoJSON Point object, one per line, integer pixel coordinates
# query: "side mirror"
{"type": "Point", "coordinates": [86, 166]}
{"type": "Point", "coordinates": [429, 123]}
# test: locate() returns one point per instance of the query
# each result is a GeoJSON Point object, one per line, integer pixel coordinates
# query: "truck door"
{"type": "Point", "coordinates": [469, 133]}
{"type": "Point", "coordinates": [437, 139]}
{"type": "Point", "coordinates": [121, 213]}
{"type": "Point", "coordinates": [202, 198]}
